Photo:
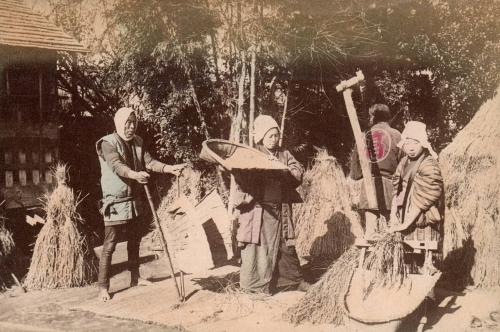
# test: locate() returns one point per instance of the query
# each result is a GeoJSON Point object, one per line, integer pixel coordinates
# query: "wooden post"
{"type": "Point", "coordinates": [237, 128]}
{"type": "Point", "coordinates": [282, 129]}
{"type": "Point", "coordinates": [252, 95]}
{"type": "Point", "coordinates": [40, 123]}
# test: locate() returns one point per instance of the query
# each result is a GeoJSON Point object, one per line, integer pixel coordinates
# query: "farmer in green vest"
{"type": "Point", "coordinates": [124, 163]}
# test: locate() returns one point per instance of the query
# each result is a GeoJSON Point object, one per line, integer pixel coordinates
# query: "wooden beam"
{"type": "Point", "coordinates": [359, 137]}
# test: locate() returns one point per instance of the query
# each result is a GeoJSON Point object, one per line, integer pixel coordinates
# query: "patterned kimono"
{"type": "Point", "coordinates": [266, 228]}
{"type": "Point", "coordinates": [425, 191]}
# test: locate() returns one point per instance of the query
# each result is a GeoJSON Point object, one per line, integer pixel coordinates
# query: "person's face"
{"type": "Point", "coordinates": [412, 148]}
{"type": "Point", "coordinates": [130, 126]}
{"type": "Point", "coordinates": [271, 139]}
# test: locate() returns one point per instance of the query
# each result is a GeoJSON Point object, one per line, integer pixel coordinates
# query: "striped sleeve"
{"type": "Point", "coordinates": [428, 184]}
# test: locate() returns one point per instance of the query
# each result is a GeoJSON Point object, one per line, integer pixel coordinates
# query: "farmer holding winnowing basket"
{"type": "Point", "coordinates": [266, 226]}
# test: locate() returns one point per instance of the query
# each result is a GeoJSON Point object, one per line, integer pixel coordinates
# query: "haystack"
{"type": "Point", "coordinates": [471, 169]}
{"type": "Point", "coordinates": [62, 256]}
{"type": "Point", "coordinates": [326, 220]}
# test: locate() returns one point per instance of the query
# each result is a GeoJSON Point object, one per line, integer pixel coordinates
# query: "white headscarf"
{"type": "Point", "coordinates": [418, 131]}
{"type": "Point", "coordinates": [121, 117]}
{"type": "Point", "coordinates": [261, 125]}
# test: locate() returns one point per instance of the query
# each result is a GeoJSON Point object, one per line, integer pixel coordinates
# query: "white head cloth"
{"type": "Point", "coordinates": [262, 124]}
{"type": "Point", "coordinates": [418, 131]}
{"type": "Point", "coordinates": [121, 117]}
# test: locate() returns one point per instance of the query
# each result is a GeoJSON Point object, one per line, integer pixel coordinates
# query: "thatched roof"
{"type": "Point", "coordinates": [21, 26]}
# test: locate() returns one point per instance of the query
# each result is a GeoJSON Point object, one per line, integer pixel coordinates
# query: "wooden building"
{"type": "Point", "coordinates": [29, 99]}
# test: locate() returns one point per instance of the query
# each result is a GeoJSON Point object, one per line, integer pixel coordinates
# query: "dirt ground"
{"type": "Point", "coordinates": [212, 305]}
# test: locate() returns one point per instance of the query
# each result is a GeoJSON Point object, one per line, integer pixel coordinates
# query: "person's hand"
{"type": "Point", "coordinates": [392, 229]}
{"type": "Point", "coordinates": [397, 228]}
{"type": "Point", "coordinates": [272, 158]}
{"type": "Point", "coordinates": [394, 223]}
{"type": "Point", "coordinates": [141, 177]}
{"type": "Point", "coordinates": [235, 215]}
{"type": "Point", "coordinates": [175, 169]}
{"type": "Point", "coordinates": [394, 220]}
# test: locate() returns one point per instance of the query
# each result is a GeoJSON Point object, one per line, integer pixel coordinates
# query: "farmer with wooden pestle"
{"type": "Point", "coordinates": [124, 163]}
{"type": "Point", "coordinates": [384, 155]}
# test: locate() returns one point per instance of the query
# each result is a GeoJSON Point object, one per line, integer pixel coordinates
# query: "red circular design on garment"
{"type": "Point", "coordinates": [381, 144]}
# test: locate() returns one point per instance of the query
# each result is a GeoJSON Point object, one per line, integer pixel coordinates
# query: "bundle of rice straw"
{"type": "Point", "coordinates": [470, 167]}
{"type": "Point", "coordinates": [6, 241]}
{"type": "Point", "coordinates": [324, 301]}
{"type": "Point", "coordinates": [62, 257]}
{"type": "Point", "coordinates": [326, 218]}
{"type": "Point", "coordinates": [386, 261]}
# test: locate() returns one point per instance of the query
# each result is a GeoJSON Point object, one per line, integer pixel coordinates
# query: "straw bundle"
{"type": "Point", "coordinates": [386, 262]}
{"type": "Point", "coordinates": [6, 241]}
{"type": "Point", "coordinates": [62, 257]}
{"type": "Point", "coordinates": [325, 219]}
{"type": "Point", "coordinates": [324, 301]}
{"type": "Point", "coordinates": [470, 167]}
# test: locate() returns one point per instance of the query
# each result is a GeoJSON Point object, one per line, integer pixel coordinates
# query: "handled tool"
{"type": "Point", "coordinates": [162, 239]}
{"type": "Point", "coordinates": [346, 88]}
{"type": "Point", "coordinates": [183, 288]}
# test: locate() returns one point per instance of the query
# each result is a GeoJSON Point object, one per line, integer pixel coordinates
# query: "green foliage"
{"type": "Point", "coordinates": [432, 60]}
{"type": "Point", "coordinates": [457, 45]}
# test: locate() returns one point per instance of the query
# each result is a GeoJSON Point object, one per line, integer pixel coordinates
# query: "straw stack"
{"type": "Point", "coordinates": [62, 257]}
{"type": "Point", "coordinates": [471, 166]}
{"type": "Point", "coordinates": [326, 218]}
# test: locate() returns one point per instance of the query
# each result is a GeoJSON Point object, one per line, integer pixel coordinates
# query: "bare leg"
{"type": "Point", "coordinates": [104, 295]}
{"type": "Point", "coordinates": [133, 243]}
{"type": "Point", "coordinates": [110, 240]}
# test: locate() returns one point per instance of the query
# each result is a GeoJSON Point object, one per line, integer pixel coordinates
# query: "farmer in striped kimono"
{"type": "Point", "coordinates": [418, 184]}
{"type": "Point", "coordinates": [266, 229]}
{"type": "Point", "coordinates": [418, 193]}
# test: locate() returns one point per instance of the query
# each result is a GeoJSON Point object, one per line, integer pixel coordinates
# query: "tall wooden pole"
{"type": "Point", "coordinates": [285, 108]}
{"type": "Point", "coordinates": [362, 151]}
{"type": "Point", "coordinates": [251, 116]}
